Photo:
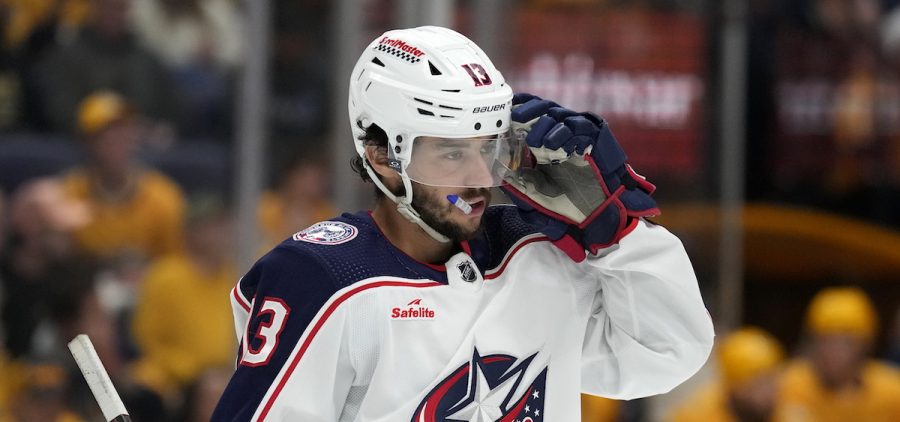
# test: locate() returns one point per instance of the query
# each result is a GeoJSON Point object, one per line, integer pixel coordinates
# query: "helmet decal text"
{"type": "Point", "coordinates": [402, 46]}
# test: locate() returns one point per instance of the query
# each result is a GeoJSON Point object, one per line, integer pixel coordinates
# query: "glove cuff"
{"type": "Point", "coordinates": [571, 247]}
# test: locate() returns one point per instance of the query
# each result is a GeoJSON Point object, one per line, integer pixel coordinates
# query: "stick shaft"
{"type": "Point", "coordinates": [98, 380]}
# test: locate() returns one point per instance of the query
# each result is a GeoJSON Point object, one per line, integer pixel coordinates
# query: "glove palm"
{"type": "Point", "coordinates": [580, 192]}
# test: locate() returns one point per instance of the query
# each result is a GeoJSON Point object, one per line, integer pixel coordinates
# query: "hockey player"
{"type": "Point", "coordinates": [435, 306]}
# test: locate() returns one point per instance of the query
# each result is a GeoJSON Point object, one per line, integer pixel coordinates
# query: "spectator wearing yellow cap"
{"type": "Point", "coordinates": [836, 380]}
{"type": "Point", "coordinates": [135, 210]}
{"type": "Point", "coordinates": [746, 389]}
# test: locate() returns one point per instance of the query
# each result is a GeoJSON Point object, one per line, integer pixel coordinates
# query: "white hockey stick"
{"type": "Point", "coordinates": [95, 374]}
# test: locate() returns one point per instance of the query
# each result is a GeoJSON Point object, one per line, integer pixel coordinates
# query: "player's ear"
{"type": "Point", "coordinates": [378, 159]}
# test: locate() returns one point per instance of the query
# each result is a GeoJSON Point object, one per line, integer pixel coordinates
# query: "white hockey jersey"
{"type": "Point", "coordinates": [336, 324]}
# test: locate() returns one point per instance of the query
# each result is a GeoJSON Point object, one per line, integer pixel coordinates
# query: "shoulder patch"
{"type": "Point", "coordinates": [327, 233]}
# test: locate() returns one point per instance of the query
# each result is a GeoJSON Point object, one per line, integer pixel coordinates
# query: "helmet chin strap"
{"type": "Point", "coordinates": [404, 204]}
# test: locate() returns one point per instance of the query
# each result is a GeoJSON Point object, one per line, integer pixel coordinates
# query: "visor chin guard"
{"type": "Point", "coordinates": [404, 204]}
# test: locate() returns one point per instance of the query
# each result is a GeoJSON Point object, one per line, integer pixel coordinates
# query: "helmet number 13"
{"type": "Point", "coordinates": [478, 74]}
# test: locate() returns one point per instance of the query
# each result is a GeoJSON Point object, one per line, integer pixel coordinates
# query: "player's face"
{"type": "Point", "coordinates": [434, 208]}
{"type": "Point", "coordinates": [469, 162]}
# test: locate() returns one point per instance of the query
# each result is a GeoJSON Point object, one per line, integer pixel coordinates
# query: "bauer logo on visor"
{"type": "Point", "coordinates": [481, 161]}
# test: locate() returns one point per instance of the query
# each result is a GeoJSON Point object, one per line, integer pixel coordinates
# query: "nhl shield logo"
{"type": "Point", "coordinates": [466, 271]}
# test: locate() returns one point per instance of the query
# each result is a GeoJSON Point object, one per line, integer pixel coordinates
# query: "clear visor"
{"type": "Point", "coordinates": [481, 161]}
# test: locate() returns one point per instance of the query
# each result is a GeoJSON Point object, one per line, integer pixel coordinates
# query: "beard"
{"type": "Point", "coordinates": [436, 211]}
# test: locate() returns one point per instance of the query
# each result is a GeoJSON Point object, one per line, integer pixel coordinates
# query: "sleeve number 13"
{"type": "Point", "coordinates": [272, 316]}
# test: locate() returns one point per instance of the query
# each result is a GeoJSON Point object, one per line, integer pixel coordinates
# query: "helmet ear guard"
{"type": "Point", "coordinates": [426, 81]}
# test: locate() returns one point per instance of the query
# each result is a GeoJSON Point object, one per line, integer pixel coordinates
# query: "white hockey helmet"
{"type": "Point", "coordinates": [444, 107]}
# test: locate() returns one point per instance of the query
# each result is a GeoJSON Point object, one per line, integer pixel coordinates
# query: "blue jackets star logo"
{"type": "Point", "coordinates": [486, 389]}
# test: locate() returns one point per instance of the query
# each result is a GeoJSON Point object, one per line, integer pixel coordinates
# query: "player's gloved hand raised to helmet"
{"type": "Point", "coordinates": [579, 191]}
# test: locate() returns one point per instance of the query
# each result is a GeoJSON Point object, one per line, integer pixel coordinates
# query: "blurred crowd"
{"type": "Point", "coordinates": [115, 249]}
{"type": "Point", "coordinates": [177, 61]}
{"type": "Point", "coordinates": [834, 374]}
{"type": "Point", "coordinates": [823, 111]}
{"type": "Point", "coordinates": [143, 261]}
{"type": "Point", "coordinates": [173, 59]}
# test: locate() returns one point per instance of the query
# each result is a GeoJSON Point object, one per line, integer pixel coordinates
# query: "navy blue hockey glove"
{"type": "Point", "coordinates": [578, 191]}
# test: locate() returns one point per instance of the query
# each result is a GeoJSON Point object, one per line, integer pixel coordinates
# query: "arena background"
{"type": "Point", "coordinates": [771, 129]}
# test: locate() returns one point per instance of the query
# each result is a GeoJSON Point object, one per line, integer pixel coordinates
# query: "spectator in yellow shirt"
{"type": "Point", "coordinates": [837, 381]}
{"type": "Point", "coordinates": [135, 210]}
{"type": "Point", "coordinates": [746, 390]}
{"type": "Point", "coordinates": [182, 322]}
{"type": "Point", "coordinates": [299, 199]}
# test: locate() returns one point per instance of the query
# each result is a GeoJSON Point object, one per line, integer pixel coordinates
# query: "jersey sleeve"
{"type": "Point", "coordinates": [293, 359]}
{"type": "Point", "coordinates": [649, 329]}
